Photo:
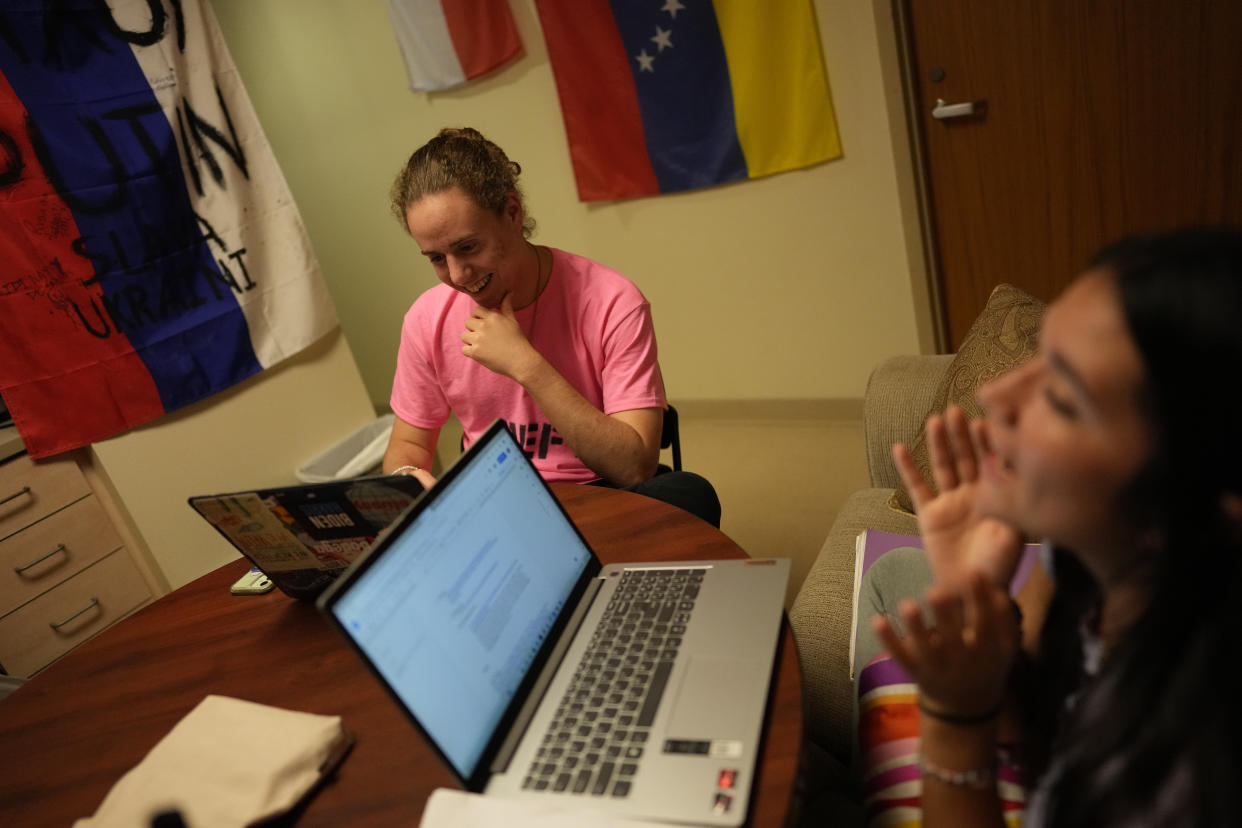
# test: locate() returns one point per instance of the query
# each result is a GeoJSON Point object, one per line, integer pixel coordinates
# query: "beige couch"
{"type": "Point", "coordinates": [899, 395]}
{"type": "Point", "coordinates": [901, 392]}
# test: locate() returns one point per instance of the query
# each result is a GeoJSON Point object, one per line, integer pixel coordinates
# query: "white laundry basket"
{"type": "Point", "coordinates": [358, 455]}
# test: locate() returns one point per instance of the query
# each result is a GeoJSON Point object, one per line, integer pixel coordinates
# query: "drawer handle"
{"type": "Point", "coordinates": [60, 547]}
{"type": "Point", "coordinates": [57, 625]}
{"type": "Point", "coordinates": [23, 490]}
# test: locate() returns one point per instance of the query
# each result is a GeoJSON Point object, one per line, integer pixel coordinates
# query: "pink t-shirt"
{"type": "Point", "coordinates": [591, 323]}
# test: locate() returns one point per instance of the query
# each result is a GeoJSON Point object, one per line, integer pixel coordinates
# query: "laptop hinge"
{"type": "Point", "coordinates": [540, 687]}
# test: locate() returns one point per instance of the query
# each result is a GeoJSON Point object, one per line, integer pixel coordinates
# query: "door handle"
{"type": "Point", "coordinates": [943, 111]}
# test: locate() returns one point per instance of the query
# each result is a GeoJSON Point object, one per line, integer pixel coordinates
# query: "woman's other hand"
{"type": "Point", "coordinates": [962, 659]}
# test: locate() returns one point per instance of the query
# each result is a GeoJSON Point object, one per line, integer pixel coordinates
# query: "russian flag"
{"type": "Point", "coordinates": [448, 42]}
{"type": "Point", "coordinates": [687, 94]}
{"type": "Point", "coordinates": [150, 252]}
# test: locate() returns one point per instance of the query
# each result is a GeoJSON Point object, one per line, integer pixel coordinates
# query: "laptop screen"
{"type": "Point", "coordinates": [455, 609]}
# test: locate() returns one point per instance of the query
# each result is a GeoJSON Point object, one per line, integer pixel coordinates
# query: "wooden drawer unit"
{"type": "Point", "coordinates": [52, 550]}
{"type": "Point", "coordinates": [44, 629]}
{"type": "Point", "coordinates": [65, 570]}
{"type": "Point", "coordinates": [30, 491]}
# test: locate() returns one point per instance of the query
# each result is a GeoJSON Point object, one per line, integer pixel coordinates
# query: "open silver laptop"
{"type": "Point", "coordinates": [636, 689]}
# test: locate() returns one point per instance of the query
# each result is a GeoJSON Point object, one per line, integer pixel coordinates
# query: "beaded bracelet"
{"type": "Point", "coordinates": [977, 779]}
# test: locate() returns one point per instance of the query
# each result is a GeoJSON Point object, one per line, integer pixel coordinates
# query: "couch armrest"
{"type": "Point", "coordinates": [899, 397]}
{"type": "Point", "coordinates": [821, 615]}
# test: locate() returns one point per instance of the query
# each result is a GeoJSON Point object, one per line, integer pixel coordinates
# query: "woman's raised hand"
{"type": "Point", "coordinates": [958, 539]}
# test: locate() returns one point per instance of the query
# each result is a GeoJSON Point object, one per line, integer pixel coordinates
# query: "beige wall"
{"type": "Point", "coordinates": [789, 287]}
{"type": "Point", "coordinates": [772, 298]}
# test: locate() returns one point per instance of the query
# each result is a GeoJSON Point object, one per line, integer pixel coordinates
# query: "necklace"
{"type": "Point", "coordinates": [539, 286]}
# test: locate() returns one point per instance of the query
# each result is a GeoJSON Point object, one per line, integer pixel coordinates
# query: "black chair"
{"type": "Point", "coordinates": [670, 437]}
{"type": "Point", "coordinates": [686, 490]}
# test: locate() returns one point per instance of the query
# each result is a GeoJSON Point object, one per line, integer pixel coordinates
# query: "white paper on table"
{"type": "Point", "coordinates": [449, 808]}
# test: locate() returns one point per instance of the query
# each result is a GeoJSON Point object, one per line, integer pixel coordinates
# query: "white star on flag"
{"type": "Point", "coordinates": [645, 61]}
{"type": "Point", "coordinates": [663, 38]}
{"type": "Point", "coordinates": [672, 7]}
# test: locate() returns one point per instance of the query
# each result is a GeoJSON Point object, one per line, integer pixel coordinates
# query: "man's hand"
{"type": "Point", "coordinates": [422, 475]}
{"type": "Point", "coordinates": [623, 448]}
{"type": "Point", "coordinates": [494, 339]}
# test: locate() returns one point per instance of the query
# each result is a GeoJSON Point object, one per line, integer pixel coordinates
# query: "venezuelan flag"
{"type": "Point", "coordinates": [150, 252]}
{"type": "Point", "coordinates": [687, 94]}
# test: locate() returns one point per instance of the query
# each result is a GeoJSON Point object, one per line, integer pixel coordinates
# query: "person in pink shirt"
{"type": "Point", "coordinates": [558, 346]}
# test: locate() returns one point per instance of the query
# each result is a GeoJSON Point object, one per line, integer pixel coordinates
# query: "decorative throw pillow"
{"type": "Point", "coordinates": [1003, 336]}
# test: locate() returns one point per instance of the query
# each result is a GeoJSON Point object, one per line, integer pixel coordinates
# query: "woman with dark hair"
{"type": "Point", "coordinates": [1116, 444]}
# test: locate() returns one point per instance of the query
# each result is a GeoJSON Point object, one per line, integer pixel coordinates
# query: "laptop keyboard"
{"type": "Point", "coordinates": [596, 742]}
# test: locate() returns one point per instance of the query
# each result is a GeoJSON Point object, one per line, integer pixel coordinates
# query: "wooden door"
{"type": "Point", "coordinates": [1096, 118]}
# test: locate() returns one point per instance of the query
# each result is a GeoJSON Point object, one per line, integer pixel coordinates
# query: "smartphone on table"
{"type": "Point", "coordinates": [253, 582]}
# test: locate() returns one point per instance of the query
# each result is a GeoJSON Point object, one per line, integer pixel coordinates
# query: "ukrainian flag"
{"type": "Point", "coordinates": [687, 94]}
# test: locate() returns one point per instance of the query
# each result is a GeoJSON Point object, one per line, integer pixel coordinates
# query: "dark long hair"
{"type": "Point", "coordinates": [1156, 736]}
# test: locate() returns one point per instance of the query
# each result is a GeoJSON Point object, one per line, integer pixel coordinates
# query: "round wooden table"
{"type": "Point", "coordinates": [71, 732]}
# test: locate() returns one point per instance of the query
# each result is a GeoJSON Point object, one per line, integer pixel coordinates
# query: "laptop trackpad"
{"type": "Point", "coordinates": [716, 694]}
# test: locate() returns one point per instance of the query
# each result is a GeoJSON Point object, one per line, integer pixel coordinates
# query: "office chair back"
{"type": "Point", "coordinates": [670, 437]}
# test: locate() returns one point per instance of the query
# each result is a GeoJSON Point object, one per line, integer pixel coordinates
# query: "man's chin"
{"type": "Point", "coordinates": [482, 299]}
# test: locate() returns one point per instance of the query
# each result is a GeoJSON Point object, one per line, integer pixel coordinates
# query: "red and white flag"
{"type": "Point", "coordinates": [448, 42]}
